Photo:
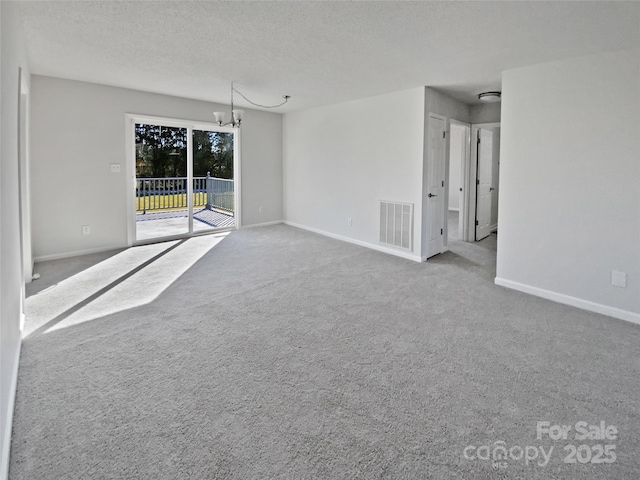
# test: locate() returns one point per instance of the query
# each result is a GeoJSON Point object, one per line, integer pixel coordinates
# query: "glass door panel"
{"type": "Point", "coordinates": [213, 180]}
{"type": "Point", "coordinates": [161, 181]}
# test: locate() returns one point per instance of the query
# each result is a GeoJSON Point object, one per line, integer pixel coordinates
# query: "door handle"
{"type": "Point", "coordinates": [491, 189]}
{"type": "Point", "coordinates": [431, 195]}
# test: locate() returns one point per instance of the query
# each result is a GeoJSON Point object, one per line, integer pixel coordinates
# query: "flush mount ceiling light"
{"type": "Point", "coordinates": [489, 97]}
{"type": "Point", "coordinates": [236, 114]}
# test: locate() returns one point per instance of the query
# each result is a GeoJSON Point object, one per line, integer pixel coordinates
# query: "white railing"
{"type": "Point", "coordinates": [170, 193]}
{"type": "Point", "coordinates": [220, 194]}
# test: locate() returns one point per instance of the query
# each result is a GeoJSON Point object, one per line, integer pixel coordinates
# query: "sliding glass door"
{"type": "Point", "coordinates": [161, 181]}
{"type": "Point", "coordinates": [184, 179]}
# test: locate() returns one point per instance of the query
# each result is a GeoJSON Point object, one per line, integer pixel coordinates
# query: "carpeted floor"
{"type": "Point", "coordinates": [277, 353]}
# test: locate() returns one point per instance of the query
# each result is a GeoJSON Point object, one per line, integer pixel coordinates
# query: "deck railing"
{"type": "Point", "coordinates": [170, 193]}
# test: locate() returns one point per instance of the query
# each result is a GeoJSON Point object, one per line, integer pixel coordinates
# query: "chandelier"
{"type": "Point", "coordinates": [237, 114]}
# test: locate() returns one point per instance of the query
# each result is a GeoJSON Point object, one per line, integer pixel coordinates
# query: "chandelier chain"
{"type": "Point", "coordinates": [286, 99]}
{"type": "Point", "coordinates": [236, 115]}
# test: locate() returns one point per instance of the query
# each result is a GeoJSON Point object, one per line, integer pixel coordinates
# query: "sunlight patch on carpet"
{"type": "Point", "coordinates": [132, 278]}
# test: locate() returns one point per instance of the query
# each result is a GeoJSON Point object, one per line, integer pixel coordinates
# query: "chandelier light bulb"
{"type": "Point", "coordinates": [219, 116]}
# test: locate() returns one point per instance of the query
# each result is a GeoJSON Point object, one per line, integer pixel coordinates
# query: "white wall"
{"type": "Point", "coordinates": [485, 113]}
{"type": "Point", "coordinates": [78, 130]}
{"type": "Point", "coordinates": [13, 57]}
{"type": "Point", "coordinates": [570, 181]}
{"type": "Point", "coordinates": [341, 160]}
{"type": "Point", "coordinates": [457, 152]}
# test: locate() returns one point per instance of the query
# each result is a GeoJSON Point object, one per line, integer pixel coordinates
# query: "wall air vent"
{"type": "Point", "coordinates": [396, 224]}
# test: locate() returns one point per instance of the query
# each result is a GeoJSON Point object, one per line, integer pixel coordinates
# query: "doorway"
{"type": "Point", "coordinates": [485, 176]}
{"type": "Point", "coordinates": [459, 135]}
{"type": "Point", "coordinates": [185, 179]}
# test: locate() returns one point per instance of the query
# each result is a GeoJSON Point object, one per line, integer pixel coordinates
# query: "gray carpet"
{"type": "Point", "coordinates": [278, 353]}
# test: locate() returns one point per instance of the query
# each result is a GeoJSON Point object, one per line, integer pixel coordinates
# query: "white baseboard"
{"type": "Point", "coordinates": [265, 224]}
{"type": "Point", "coordinates": [569, 300]}
{"type": "Point", "coordinates": [493, 228]}
{"type": "Point", "coordinates": [77, 253]}
{"type": "Point", "coordinates": [360, 243]}
{"type": "Point", "coordinates": [6, 435]}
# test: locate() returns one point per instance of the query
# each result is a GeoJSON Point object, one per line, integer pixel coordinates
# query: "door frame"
{"type": "Point", "coordinates": [24, 191]}
{"type": "Point", "coordinates": [484, 198]}
{"type": "Point", "coordinates": [130, 171]}
{"type": "Point", "coordinates": [470, 200]}
{"type": "Point", "coordinates": [464, 180]}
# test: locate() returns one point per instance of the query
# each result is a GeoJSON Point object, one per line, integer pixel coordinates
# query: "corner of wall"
{"type": "Point", "coordinates": [13, 60]}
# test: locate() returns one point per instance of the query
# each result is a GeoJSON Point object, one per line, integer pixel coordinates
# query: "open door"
{"type": "Point", "coordinates": [435, 191]}
{"type": "Point", "coordinates": [483, 181]}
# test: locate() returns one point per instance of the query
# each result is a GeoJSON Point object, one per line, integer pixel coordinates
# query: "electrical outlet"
{"type": "Point", "coordinates": [115, 168]}
{"type": "Point", "coordinates": [618, 279]}
{"type": "Point", "coordinates": [86, 229]}
{"type": "Point", "coordinates": [350, 222]}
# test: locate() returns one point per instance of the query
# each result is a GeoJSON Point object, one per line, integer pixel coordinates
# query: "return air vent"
{"type": "Point", "coordinates": [396, 224]}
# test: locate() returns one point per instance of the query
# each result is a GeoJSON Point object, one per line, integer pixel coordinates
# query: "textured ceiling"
{"type": "Point", "coordinates": [317, 52]}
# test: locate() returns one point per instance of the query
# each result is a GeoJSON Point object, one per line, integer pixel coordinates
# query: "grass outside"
{"type": "Point", "coordinates": [176, 201]}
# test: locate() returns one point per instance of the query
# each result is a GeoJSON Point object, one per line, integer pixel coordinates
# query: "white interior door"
{"type": "Point", "coordinates": [434, 203]}
{"type": "Point", "coordinates": [484, 188]}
